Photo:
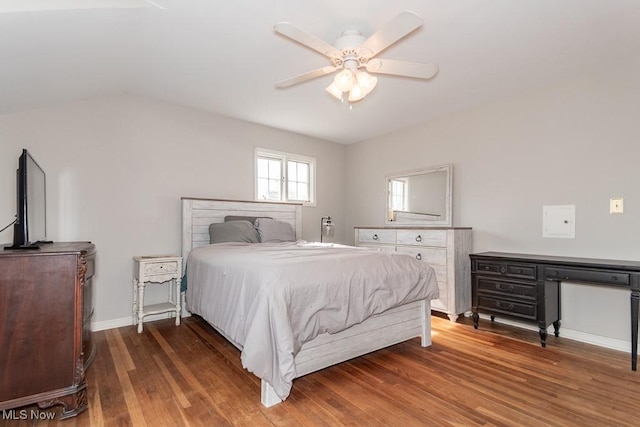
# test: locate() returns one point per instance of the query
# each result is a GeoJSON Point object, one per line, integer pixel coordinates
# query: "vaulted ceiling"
{"type": "Point", "coordinates": [224, 57]}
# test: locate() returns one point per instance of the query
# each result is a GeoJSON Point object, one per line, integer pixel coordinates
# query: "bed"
{"type": "Point", "coordinates": [379, 323]}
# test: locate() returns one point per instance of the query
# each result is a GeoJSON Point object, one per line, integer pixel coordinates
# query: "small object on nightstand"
{"type": "Point", "coordinates": [156, 269]}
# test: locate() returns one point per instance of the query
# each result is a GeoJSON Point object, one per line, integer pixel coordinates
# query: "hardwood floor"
{"type": "Point", "coordinates": [498, 375]}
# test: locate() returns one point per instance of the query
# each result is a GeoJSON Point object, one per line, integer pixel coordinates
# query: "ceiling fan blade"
{"type": "Point", "coordinates": [306, 39]}
{"type": "Point", "coordinates": [402, 68]}
{"type": "Point", "coordinates": [393, 31]}
{"type": "Point", "coordinates": [306, 76]}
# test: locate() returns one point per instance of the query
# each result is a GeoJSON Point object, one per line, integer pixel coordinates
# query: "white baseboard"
{"type": "Point", "coordinates": [128, 321]}
{"type": "Point", "coordinates": [612, 343]}
{"type": "Point", "coordinates": [111, 324]}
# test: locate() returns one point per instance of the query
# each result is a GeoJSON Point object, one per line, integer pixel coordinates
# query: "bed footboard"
{"type": "Point", "coordinates": [383, 330]}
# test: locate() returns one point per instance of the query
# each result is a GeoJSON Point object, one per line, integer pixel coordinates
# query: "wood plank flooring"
{"type": "Point", "coordinates": [495, 376]}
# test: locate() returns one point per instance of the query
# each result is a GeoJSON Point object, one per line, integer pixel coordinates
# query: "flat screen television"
{"type": "Point", "coordinates": [30, 229]}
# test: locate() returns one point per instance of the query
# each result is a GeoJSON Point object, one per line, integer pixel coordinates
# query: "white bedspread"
{"type": "Point", "coordinates": [270, 298]}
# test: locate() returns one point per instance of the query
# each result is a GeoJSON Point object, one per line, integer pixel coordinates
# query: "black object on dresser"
{"type": "Point", "coordinates": [46, 306]}
{"type": "Point", "coordinates": [527, 286]}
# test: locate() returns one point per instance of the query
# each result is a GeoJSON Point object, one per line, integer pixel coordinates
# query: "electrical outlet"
{"type": "Point", "coordinates": [616, 205]}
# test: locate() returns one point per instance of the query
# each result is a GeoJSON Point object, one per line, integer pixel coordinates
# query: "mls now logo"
{"type": "Point", "coordinates": [24, 414]}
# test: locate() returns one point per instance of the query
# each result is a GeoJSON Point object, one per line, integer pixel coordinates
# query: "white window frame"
{"type": "Point", "coordinates": [284, 158]}
{"type": "Point", "coordinates": [405, 196]}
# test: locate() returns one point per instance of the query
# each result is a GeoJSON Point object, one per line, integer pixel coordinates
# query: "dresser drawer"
{"type": "Point", "coordinates": [527, 291]}
{"type": "Point", "coordinates": [513, 308]}
{"type": "Point", "coordinates": [435, 256]}
{"type": "Point", "coordinates": [378, 247]}
{"type": "Point", "coordinates": [610, 278]}
{"type": "Point", "coordinates": [508, 269]}
{"type": "Point", "coordinates": [423, 237]}
{"type": "Point", "coordinates": [378, 236]}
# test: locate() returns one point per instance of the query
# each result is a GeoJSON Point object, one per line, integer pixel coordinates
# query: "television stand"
{"type": "Point", "coordinates": [46, 306]}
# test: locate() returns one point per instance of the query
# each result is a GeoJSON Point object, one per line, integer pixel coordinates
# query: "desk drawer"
{"type": "Point", "coordinates": [513, 308]}
{"type": "Point", "coordinates": [511, 289]}
{"type": "Point", "coordinates": [488, 267]}
{"type": "Point", "coordinates": [564, 273]}
{"type": "Point", "coordinates": [509, 269]}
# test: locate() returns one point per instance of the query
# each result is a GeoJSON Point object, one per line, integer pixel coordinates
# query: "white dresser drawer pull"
{"type": "Point", "coordinates": [419, 257]}
{"type": "Point", "coordinates": [375, 237]}
{"type": "Point", "coordinates": [419, 238]}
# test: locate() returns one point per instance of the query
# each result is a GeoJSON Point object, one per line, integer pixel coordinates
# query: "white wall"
{"type": "Point", "coordinates": [117, 167]}
{"type": "Point", "coordinates": [575, 143]}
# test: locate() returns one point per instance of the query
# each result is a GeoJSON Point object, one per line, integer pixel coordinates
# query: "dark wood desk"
{"type": "Point", "coordinates": [527, 286]}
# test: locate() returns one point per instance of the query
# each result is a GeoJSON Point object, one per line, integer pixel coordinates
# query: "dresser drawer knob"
{"type": "Point", "coordinates": [506, 307]}
{"type": "Point", "coordinates": [419, 257]}
{"type": "Point", "coordinates": [375, 237]}
{"type": "Point", "coordinates": [503, 270]}
{"type": "Point", "coordinates": [500, 287]}
{"type": "Point", "coordinates": [419, 238]}
{"type": "Point", "coordinates": [486, 267]}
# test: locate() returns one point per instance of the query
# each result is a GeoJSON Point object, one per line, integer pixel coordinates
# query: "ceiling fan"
{"type": "Point", "coordinates": [354, 57]}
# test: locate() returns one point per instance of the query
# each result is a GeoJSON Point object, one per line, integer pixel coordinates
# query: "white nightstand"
{"type": "Point", "coordinates": [156, 269]}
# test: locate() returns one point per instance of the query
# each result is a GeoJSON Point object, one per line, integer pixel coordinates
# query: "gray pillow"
{"type": "Point", "coordinates": [233, 231]}
{"type": "Point", "coordinates": [273, 231]}
{"type": "Point", "coordinates": [251, 219]}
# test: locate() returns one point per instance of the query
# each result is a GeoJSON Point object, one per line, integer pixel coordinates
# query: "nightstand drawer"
{"type": "Point", "coordinates": [157, 268]}
{"type": "Point", "coordinates": [423, 237]}
{"type": "Point", "coordinates": [513, 308]}
{"type": "Point", "coordinates": [512, 289]}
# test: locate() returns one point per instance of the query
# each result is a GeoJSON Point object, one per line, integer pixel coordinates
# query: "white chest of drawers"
{"type": "Point", "coordinates": [445, 249]}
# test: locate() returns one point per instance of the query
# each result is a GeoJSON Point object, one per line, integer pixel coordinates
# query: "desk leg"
{"type": "Point", "coordinates": [543, 336]}
{"type": "Point", "coordinates": [635, 300]}
{"type": "Point", "coordinates": [556, 328]}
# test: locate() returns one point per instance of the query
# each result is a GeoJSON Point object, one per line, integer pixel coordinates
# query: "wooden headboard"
{"type": "Point", "coordinates": [197, 214]}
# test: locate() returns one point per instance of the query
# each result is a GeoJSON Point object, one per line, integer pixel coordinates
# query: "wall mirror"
{"type": "Point", "coordinates": [420, 197]}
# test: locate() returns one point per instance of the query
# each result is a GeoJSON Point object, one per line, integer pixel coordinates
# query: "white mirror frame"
{"type": "Point", "coordinates": [447, 222]}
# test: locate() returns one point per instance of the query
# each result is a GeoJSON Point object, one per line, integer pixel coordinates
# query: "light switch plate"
{"type": "Point", "coordinates": [616, 205]}
{"type": "Point", "coordinates": [559, 221]}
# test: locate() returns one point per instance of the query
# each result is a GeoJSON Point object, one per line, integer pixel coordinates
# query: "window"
{"type": "Point", "coordinates": [284, 177]}
{"type": "Point", "coordinates": [399, 194]}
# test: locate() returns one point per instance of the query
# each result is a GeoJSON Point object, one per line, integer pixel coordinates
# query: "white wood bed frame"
{"type": "Point", "coordinates": [388, 328]}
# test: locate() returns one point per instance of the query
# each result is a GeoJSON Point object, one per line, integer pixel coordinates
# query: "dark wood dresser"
{"type": "Point", "coordinates": [46, 305]}
{"type": "Point", "coordinates": [514, 287]}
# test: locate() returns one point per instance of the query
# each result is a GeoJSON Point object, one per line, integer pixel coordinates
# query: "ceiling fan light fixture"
{"type": "Point", "coordinates": [366, 81]}
{"type": "Point", "coordinates": [334, 91]}
{"type": "Point", "coordinates": [356, 93]}
{"type": "Point", "coordinates": [344, 80]}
